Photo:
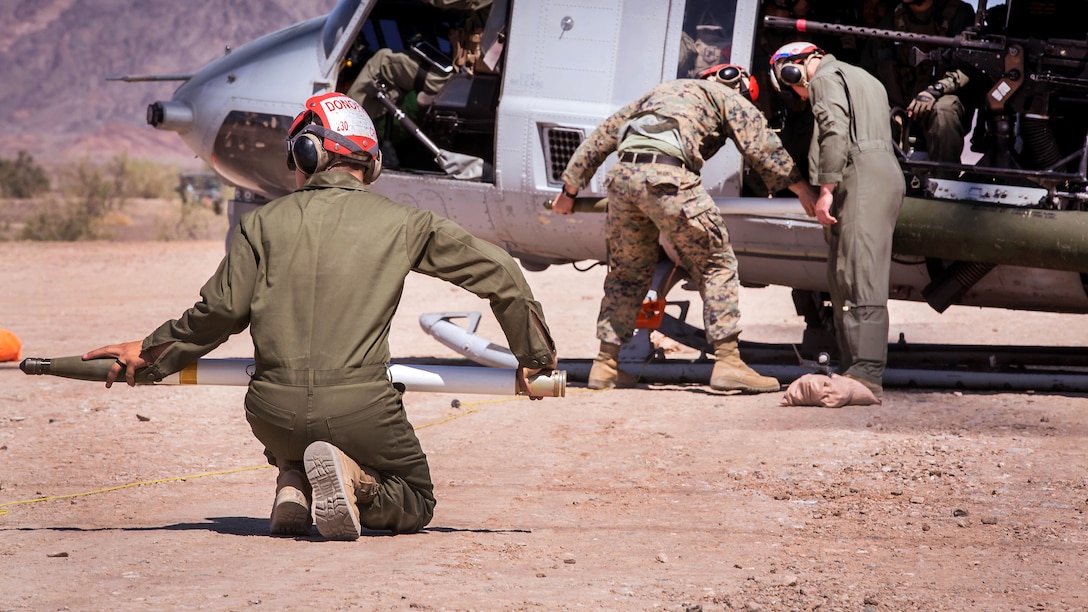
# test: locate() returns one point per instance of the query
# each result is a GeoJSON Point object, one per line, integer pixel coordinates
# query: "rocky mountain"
{"type": "Point", "coordinates": [56, 56]}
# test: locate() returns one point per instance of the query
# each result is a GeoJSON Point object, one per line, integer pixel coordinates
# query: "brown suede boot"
{"type": "Point", "coordinates": [605, 373]}
{"type": "Point", "coordinates": [340, 486]}
{"type": "Point", "coordinates": [291, 510]}
{"type": "Point", "coordinates": [732, 374]}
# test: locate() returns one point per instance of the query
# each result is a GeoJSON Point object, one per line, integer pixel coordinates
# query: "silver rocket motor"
{"type": "Point", "coordinates": [433, 379]}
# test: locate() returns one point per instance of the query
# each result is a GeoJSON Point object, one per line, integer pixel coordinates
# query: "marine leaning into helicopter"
{"type": "Point", "coordinates": [663, 140]}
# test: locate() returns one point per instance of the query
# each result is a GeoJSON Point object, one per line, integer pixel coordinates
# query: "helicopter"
{"type": "Point", "coordinates": [999, 236]}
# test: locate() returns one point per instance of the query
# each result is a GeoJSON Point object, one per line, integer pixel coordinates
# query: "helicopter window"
{"type": "Point", "coordinates": [336, 23]}
{"type": "Point", "coordinates": [707, 39]}
{"type": "Point", "coordinates": [369, 36]}
{"type": "Point", "coordinates": [241, 136]}
{"type": "Point", "coordinates": [391, 34]}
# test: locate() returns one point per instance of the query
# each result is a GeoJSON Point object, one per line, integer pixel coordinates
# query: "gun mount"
{"type": "Point", "coordinates": [1032, 125]}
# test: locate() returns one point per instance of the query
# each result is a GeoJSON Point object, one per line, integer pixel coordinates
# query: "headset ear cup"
{"type": "Point", "coordinates": [791, 74]}
{"type": "Point", "coordinates": [753, 88]}
{"type": "Point", "coordinates": [309, 154]}
{"type": "Point", "coordinates": [374, 169]}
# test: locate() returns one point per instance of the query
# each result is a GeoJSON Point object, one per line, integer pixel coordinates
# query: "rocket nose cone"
{"type": "Point", "coordinates": [32, 365]}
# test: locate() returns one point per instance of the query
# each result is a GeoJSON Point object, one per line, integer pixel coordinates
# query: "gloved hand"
{"type": "Point", "coordinates": [923, 102]}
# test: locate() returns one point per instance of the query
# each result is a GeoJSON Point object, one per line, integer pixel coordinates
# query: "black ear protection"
{"type": "Point", "coordinates": [788, 72]}
{"type": "Point", "coordinates": [306, 152]}
{"type": "Point", "coordinates": [736, 78]}
{"type": "Point", "coordinates": [791, 74]}
{"type": "Point", "coordinates": [730, 75]}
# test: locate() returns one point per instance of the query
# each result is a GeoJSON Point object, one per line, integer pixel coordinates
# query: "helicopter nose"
{"type": "Point", "coordinates": [170, 115]}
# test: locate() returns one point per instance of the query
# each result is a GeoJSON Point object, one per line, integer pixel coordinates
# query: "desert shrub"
{"type": "Point", "coordinates": [91, 196]}
{"type": "Point", "coordinates": [89, 192]}
{"type": "Point", "coordinates": [22, 178]}
{"type": "Point", "coordinates": [99, 188]}
{"type": "Point", "coordinates": [139, 178]}
{"type": "Point", "coordinates": [62, 220]}
{"type": "Point", "coordinates": [191, 222]}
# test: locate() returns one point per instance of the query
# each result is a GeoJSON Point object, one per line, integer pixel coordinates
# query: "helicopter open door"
{"type": "Point", "coordinates": [425, 138]}
{"type": "Point", "coordinates": [340, 33]}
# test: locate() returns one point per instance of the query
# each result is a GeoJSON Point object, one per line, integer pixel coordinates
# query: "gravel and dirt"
{"type": "Point", "coordinates": [664, 497]}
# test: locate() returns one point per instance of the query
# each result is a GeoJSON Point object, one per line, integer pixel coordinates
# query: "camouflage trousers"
{"type": "Point", "coordinates": [651, 201]}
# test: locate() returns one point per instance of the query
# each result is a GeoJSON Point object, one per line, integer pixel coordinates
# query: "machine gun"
{"type": "Point", "coordinates": [1035, 114]}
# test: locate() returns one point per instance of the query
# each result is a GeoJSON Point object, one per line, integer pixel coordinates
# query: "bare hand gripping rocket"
{"type": "Point", "coordinates": [237, 372]}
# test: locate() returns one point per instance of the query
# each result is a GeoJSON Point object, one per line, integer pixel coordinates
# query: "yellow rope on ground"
{"type": "Point", "coordinates": [471, 409]}
{"type": "Point", "coordinates": [126, 486]}
{"type": "Point", "coordinates": [452, 417]}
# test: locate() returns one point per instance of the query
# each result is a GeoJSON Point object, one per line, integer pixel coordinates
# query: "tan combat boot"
{"type": "Point", "coordinates": [340, 486]}
{"type": "Point", "coordinates": [291, 510]}
{"type": "Point", "coordinates": [605, 373]}
{"type": "Point", "coordinates": [732, 374]}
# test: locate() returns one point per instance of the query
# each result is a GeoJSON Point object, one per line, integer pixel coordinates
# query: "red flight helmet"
{"type": "Point", "coordinates": [333, 126]}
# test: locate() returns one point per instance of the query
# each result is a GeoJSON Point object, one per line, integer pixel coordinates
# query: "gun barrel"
{"type": "Point", "coordinates": [818, 27]}
{"type": "Point", "coordinates": [238, 372]}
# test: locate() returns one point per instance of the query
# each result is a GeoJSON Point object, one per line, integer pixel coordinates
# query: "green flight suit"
{"type": "Point", "coordinates": [402, 71]}
{"type": "Point", "coordinates": [317, 276]}
{"type": "Point", "coordinates": [852, 147]}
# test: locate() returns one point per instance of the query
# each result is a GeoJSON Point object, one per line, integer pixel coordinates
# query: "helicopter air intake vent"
{"type": "Point", "coordinates": [559, 145]}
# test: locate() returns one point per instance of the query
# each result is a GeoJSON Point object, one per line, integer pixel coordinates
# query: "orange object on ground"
{"type": "Point", "coordinates": [9, 346]}
{"type": "Point", "coordinates": [651, 313]}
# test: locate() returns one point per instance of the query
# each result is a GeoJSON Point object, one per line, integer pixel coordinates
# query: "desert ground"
{"type": "Point", "coordinates": [663, 497]}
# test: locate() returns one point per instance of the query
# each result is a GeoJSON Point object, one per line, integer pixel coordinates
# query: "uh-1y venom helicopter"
{"type": "Point", "coordinates": [1010, 234]}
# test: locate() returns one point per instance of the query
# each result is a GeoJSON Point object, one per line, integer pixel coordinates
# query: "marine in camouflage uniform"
{"type": "Point", "coordinates": [681, 122]}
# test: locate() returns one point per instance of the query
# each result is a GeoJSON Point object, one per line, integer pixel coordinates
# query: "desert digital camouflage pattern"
{"type": "Point", "coordinates": [707, 114]}
{"type": "Point", "coordinates": [650, 200]}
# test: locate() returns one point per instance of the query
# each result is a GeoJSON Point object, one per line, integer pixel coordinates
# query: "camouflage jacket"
{"type": "Point", "coordinates": [706, 115]}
